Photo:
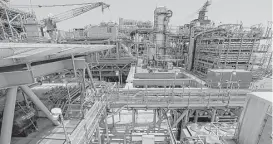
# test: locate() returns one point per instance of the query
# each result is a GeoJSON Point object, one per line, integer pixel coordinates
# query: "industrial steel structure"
{"type": "Point", "coordinates": [133, 82]}
{"type": "Point", "coordinates": [229, 47]}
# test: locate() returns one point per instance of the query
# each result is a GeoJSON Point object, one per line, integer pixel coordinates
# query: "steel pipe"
{"type": "Point", "coordinates": [39, 104]}
{"type": "Point", "coordinates": [8, 116]}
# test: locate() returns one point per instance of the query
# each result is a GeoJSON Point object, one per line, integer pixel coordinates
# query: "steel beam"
{"type": "Point", "coordinates": [91, 77]}
{"type": "Point", "coordinates": [186, 119]}
{"type": "Point", "coordinates": [169, 128]}
{"type": "Point", "coordinates": [40, 52]}
{"type": "Point", "coordinates": [49, 68]}
{"type": "Point", "coordinates": [39, 104]}
{"type": "Point", "coordinates": [161, 82]}
{"type": "Point", "coordinates": [16, 78]}
{"type": "Point", "coordinates": [191, 90]}
{"type": "Point", "coordinates": [8, 116]}
{"type": "Point", "coordinates": [180, 118]}
{"type": "Point", "coordinates": [79, 63]}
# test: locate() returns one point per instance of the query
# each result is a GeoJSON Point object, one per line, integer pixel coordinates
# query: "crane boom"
{"type": "Point", "coordinates": [50, 22]}
{"type": "Point", "coordinates": [72, 13]}
{"type": "Point", "coordinates": [77, 11]}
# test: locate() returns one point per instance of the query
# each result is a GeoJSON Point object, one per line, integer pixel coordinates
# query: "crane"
{"type": "Point", "coordinates": [50, 22]}
{"type": "Point", "coordinates": [203, 10]}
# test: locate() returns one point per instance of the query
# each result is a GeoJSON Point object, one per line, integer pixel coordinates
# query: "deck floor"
{"type": "Point", "coordinates": [48, 133]}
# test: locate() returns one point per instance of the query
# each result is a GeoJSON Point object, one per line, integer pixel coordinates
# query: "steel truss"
{"type": "Point", "coordinates": [12, 22]}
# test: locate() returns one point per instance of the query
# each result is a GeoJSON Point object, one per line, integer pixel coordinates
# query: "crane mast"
{"type": "Point", "coordinates": [203, 10]}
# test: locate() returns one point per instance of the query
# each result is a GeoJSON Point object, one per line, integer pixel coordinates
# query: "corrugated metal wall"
{"type": "Point", "coordinates": [252, 119]}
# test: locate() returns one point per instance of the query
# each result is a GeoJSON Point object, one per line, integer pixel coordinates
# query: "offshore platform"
{"type": "Point", "coordinates": [133, 81]}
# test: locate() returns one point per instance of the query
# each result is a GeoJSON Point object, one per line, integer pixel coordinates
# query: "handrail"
{"type": "Point", "coordinates": [173, 139]}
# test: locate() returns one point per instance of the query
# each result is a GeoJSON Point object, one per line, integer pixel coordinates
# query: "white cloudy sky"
{"type": "Point", "coordinates": [250, 12]}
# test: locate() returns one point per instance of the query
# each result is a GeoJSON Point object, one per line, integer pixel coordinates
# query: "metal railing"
{"type": "Point", "coordinates": [222, 131]}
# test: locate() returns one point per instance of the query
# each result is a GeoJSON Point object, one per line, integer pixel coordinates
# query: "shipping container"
{"type": "Point", "coordinates": [255, 124]}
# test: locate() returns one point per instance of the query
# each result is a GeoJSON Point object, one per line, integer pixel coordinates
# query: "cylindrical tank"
{"type": "Point", "coordinates": [160, 22]}
{"type": "Point", "coordinates": [161, 15]}
{"type": "Point", "coordinates": [159, 18]}
{"type": "Point", "coordinates": [159, 39]}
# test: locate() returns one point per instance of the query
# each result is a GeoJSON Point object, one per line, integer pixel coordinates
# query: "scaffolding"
{"type": "Point", "coordinates": [231, 46]}
{"type": "Point", "coordinates": [12, 22]}
{"type": "Point", "coordinates": [214, 132]}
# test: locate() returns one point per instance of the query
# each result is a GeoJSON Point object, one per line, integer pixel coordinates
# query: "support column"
{"type": "Point", "coordinates": [117, 49]}
{"type": "Point", "coordinates": [161, 119]}
{"type": "Point", "coordinates": [154, 120]}
{"type": "Point", "coordinates": [181, 129]}
{"type": "Point", "coordinates": [113, 118]}
{"type": "Point", "coordinates": [196, 116]}
{"type": "Point", "coordinates": [175, 116]}
{"type": "Point", "coordinates": [106, 129]}
{"type": "Point", "coordinates": [100, 74]}
{"type": "Point", "coordinates": [98, 134]}
{"type": "Point", "coordinates": [8, 116]}
{"type": "Point", "coordinates": [74, 66]}
{"type": "Point", "coordinates": [133, 119]}
{"type": "Point", "coordinates": [124, 139]}
{"type": "Point", "coordinates": [119, 116]}
{"type": "Point", "coordinates": [83, 93]}
{"type": "Point", "coordinates": [39, 104]}
{"type": "Point", "coordinates": [186, 119]}
{"type": "Point", "coordinates": [127, 132]}
{"type": "Point", "coordinates": [213, 115]}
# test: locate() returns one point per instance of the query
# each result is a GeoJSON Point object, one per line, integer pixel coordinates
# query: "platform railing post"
{"type": "Point", "coordinates": [74, 66]}
{"type": "Point", "coordinates": [106, 128]}
{"type": "Point", "coordinates": [133, 118]}
{"type": "Point", "coordinates": [8, 116]}
{"type": "Point", "coordinates": [113, 117]}
{"type": "Point", "coordinates": [154, 119]}
{"type": "Point", "coordinates": [38, 103]}
{"type": "Point", "coordinates": [98, 134]}
{"type": "Point", "coordinates": [90, 77]}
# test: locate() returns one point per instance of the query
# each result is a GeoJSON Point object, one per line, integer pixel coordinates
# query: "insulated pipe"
{"type": "Point", "coordinates": [8, 116]}
{"type": "Point", "coordinates": [39, 104]}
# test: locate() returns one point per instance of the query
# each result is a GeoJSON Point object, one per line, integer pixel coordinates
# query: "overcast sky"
{"type": "Point", "coordinates": [250, 12]}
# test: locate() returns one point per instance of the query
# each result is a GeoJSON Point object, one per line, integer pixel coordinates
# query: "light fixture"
{"type": "Point", "coordinates": [117, 73]}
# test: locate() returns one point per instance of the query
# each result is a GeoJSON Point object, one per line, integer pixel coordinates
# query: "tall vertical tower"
{"type": "Point", "coordinates": [161, 20]}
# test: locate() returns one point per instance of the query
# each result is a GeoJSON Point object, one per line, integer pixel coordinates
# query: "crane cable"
{"type": "Point", "coordinates": [41, 6]}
